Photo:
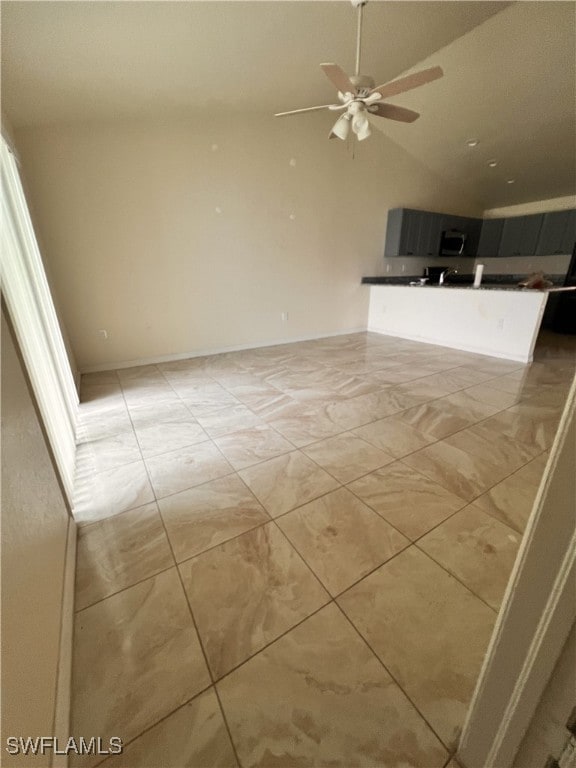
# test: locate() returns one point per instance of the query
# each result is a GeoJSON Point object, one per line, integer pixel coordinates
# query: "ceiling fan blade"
{"type": "Point", "coordinates": [393, 112]}
{"type": "Point", "coordinates": [408, 82]}
{"type": "Point", "coordinates": [339, 78]}
{"type": "Point", "coordinates": [309, 109]}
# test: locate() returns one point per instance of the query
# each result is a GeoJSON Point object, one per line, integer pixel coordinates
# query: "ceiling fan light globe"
{"type": "Point", "coordinates": [361, 127]}
{"type": "Point", "coordinates": [341, 127]}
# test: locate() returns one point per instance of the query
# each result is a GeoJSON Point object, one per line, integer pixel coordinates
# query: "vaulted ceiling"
{"type": "Point", "coordinates": [509, 73]}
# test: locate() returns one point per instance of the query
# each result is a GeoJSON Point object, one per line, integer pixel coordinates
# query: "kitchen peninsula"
{"type": "Point", "coordinates": [497, 320]}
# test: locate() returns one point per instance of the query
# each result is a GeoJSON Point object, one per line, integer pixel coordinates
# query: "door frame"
{"type": "Point", "coordinates": [537, 614]}
{"type": "Point", "coordinates": [36, 327]}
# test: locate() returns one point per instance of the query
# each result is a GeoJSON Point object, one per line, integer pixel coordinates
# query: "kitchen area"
{"type": "Point", "coordinates": [481, 285]}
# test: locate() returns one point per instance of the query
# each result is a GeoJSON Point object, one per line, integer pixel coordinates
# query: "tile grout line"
{"type": "Point", "coordinates": [200, 642]}
{"type": "Point", "coordinates": [337, 480]}
{"type": "Point", "coordinates": [293, 509]}
{"type": "Point", "coordinates": [345, 431]}
{"type": "Point", "coordinates": [388, 672]}
{"type": "Point", "coordinates": [123, 589]}
{"type": "Point", "coordinates": [458, 579]}
{"type": "Point", "coordinates": [233, 395]}
{"type": "Point", "coordinates": [274, 520]}
{"type": "Point", "coordinates": [341, 485]}
{"type": "Point", "coordinates": [160, 720]}
{"type": "Point", "coordinates": [412, 541]}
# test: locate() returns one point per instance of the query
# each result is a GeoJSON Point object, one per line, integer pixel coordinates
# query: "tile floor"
{"type": "Point", "coordinates": [294, 556]}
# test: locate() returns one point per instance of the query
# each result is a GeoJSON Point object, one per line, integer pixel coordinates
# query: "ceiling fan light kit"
{"type": "Point", "coordinates": [361, 99]}
{"type": "Point", "coordinates": [341, 127]}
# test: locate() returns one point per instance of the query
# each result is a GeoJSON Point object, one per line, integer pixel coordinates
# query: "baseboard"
{"type": "Point", "coordinates": [212, 351]}
{"type": "Point", "coordinates": [475, 348]}
{"type": "Point", "coordinates": [64, 681]}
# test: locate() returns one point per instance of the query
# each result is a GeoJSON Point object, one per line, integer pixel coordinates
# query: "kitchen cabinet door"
{"type": "Point", "coordinates": [557, 234]}
{"type": "Point", "coordinates": [490, 236]}
{"type": "Point", "coordinates": [569, 237]}
{"type": "Point", "coordinates": [429, 234]}
{"type": "Point", "coordinates": [403, 232]}
{"type": "Point", "coordinates": [520, 235]}
{"type": "Point", "coordinates": [410, 239]}
{"type": "Point", "coordinates": [473, 228]}
{"type": "Point", "coordinates": [393, 232]}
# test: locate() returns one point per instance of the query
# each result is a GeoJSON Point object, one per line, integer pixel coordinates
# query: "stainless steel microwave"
{"type": "Point", "coordinates": [452, 243]}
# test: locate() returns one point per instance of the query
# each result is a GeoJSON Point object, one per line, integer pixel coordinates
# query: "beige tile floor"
{"type": "Point", "coordinates": [294, 555]}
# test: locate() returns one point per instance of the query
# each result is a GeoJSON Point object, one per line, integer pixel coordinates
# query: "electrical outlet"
{"type": "Point", "coordinates": [103, 334]}
{"type": "Point", "coordinates": [500, 324]}
{"type": "Point", "coordinates": [284, 316]}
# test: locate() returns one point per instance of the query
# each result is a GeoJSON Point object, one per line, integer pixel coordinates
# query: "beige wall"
{"type": "Point", "coordinates": [34, 531]}
{"type": "Point", "coordinates": [129, 217]}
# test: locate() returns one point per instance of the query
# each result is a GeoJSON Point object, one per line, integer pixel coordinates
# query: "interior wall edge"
{"type": "Point", "coordinates": [536, 206]}
{"type": "Point", "coordinates": [63, 703]}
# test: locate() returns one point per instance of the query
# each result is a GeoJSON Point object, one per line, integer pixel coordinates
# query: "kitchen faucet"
{"type": "Point", "coordinates": [445, 274]}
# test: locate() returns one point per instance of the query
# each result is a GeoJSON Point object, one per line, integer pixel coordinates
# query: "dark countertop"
{"type": "Point", "coordinates": [489, 282]}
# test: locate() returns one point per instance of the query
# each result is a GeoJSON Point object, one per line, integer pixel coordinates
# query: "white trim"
{"type": "Point", "coordinates": [538, 610]}
{"type": "Point", "coordinates": [211, 351]}
{"type": "Point", "coordinates": [32, 313]}
{"type": "Point", "coordinates": [62, 708]}
{"type": "Point", "coordinates": [8, 136]}
{"type": "Point", "coordinates": [546, 646]}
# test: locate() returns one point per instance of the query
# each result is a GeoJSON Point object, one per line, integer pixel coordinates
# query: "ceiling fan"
{"type": "Point", "coordinates": [360, 99]}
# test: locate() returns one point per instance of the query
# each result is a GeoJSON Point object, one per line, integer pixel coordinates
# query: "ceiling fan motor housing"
{"type": "Point", "coordinates": [362, 83]}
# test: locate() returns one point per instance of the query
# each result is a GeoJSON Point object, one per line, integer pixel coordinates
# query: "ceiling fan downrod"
{"type": "Point", "coordinates": [361, 82]}
{"type": "Point", "coordinates": [359, 37]}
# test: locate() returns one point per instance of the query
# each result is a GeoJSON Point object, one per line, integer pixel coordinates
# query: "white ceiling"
{"type": "Point", "coordinates": [509, 80]}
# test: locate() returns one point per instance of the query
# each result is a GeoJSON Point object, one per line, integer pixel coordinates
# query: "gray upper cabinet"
{"type": "Point", "coordinates": [410, 233]}
{"type": "Point", "coordinates": [520, 235]}
{"type": "Point", "coordinates": [490, 236]}
{"type": "Point", "coordinates": [558, 233]}
{"type": "Point", "coordinates": [430, 233]}
{"type": "Point", "coordinates": [569, 239]}
{"type": "Point", "coordinates": [406, 232]}
{"type": "Point", "coordinates": [396, 218]}
{"type": "Point", "coordinates": [473, 229]}
{"type": "Point", "coordinates": [417, 233]}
